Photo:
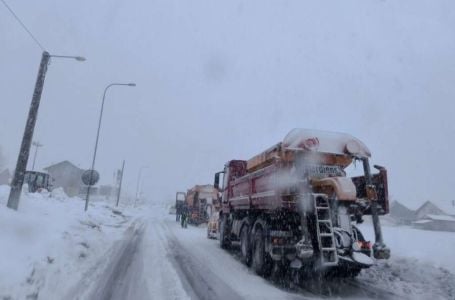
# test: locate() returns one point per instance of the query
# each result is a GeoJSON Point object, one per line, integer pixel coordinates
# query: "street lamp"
{"type": "Point", "coordinates": [97, 138]}
{"type": "Point", "coordinates": [78, 58]}
{"type": "Point", "coordinates": [24, 152]}
{"type": "Point", "coordinates": [138, 181]}
{"type": "Point", "coordinates": [37, 145]}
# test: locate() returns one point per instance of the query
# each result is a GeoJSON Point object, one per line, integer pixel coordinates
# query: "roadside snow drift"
{"type": "Point", "coordinates": [50, 242]}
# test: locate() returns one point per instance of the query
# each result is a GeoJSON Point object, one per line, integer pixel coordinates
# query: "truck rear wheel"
{"type": "Point", "coordinates": [245, 246]}
{"type": "Point", "coordinates": [225, 241]}
{"type": "Point", "coordinates": [261, 265]}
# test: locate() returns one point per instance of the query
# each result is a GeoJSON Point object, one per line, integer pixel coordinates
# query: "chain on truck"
{"type": "Point", "coordinates": [293, 207]}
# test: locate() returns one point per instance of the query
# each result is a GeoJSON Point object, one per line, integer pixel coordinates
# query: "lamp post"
{"type": "Point", "coordinates": [37, 145]}
{"type": "Point", "coordinates": [98, 135]}
{"type": "Point", "coordinates": [24, 152]}
{"type": "Point", "coordinates": [141, 190]}
{"type": "Point", "coordinates": [138, 181]}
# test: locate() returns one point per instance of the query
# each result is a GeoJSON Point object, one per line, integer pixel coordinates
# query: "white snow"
{"type": "Point", "coordinates": [52, 249]}
{"type": "Point", "coordinates": [441, 218]}
{"type": "Point", "coordinates": [422, 221]}
{"type": "Point", "coordinates": [221, 267]}
{"type": "Point", "coordinates": [422, 265]}
{"type": "Point", "coordinates": [328, 142]}
{"type": "Point", "coordinates": [433, 247]}
{"type": "Point", "coordinates": [48, 244]}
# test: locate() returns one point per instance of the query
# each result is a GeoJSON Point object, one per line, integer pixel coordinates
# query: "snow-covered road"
{"type": "Point", "coordinates": [157, 259]}
{"type": "Point", "coordinates": [142, 253]}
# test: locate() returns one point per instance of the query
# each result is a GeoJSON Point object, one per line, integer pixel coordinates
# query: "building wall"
{"type": "Point", "coordinates": [437, 226]}
{"type": "Point", "coordinates": [68, 178]}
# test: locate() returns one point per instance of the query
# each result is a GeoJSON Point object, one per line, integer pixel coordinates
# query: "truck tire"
{"type": "Point", "coordinates": [260, 262]}
{"type": "Point", "coordinates": [225, 241]}
{"type": "Point", "coordinates": [245, 245]}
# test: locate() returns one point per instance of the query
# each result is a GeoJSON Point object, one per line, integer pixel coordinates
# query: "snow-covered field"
{"type": "Point", "coordinates": [432, 247]}
{"type": "Point", "coordinates": [422, 265]}
{"type": "Point", "coordinates": [52, 249]}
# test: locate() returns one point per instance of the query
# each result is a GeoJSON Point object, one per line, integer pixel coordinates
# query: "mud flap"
{"type": "Point", "coordinates": [362, 259]}
{"type": "Point", "coordinates": [356, 260]}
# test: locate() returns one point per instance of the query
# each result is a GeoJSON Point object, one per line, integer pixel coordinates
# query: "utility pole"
{"type": "Point", "coordinates": [22, 160]}
{"type": "Point", "coordinates": [18, 179]}
{"type": "Point", "coordinates": [120, 184]}
{"type": "Point", "coordinates": [37, 145]}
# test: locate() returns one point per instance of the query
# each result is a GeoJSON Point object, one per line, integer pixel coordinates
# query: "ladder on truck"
{"type": "Point", "coordinates": [324, 229]}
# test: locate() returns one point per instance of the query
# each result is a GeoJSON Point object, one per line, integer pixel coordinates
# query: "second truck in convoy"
{"type": "Point", "coordinates": [293, 206]}
{"type": "Point", "coordinates": [200, 201]}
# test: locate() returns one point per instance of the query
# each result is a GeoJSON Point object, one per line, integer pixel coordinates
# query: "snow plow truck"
{"type": "Point", "coordinates": [200, 201]}
{"type": "Point", "coordinates": [293, 208]}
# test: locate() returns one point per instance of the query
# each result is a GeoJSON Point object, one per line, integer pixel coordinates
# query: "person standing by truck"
{"type": "Point", "coordinates": [184, 215]}
{"type": "Point", "coordinates": [179, 199]}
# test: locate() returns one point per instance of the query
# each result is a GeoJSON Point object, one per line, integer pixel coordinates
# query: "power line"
{"type": "Point", "coordinates": [23, 25]}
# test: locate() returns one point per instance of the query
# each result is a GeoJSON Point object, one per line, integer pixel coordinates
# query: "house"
{"type": "Point", "coordinates": [401, 214]}
{"type": "Point", "coordinates": [66, 175]}
{"type": "Point", "coordinates": [436, 222]}
{"type": "Point", "coordinates": [428, 208]}
{"type": "Point", "coordinates": [5, 177]}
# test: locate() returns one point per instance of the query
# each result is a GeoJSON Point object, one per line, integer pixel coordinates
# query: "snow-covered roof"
{"type": "Point", "coordinates": [422, 221]}
{"type": "Point", "coordinates": [441, 218]}
{"type": "Point", "coordinates": [326, 142]}
{"type": "Point", "coordinates": [428, 208]}
{"type": "Point", "coordinates": [63, 164]}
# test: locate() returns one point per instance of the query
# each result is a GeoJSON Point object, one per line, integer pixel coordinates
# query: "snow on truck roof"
{"type": "Point", "coordinates": [325, 142]}
{"type": "Point", "coordinates": [311, 140]}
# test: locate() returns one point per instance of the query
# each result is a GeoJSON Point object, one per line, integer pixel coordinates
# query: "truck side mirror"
{"type": "Point", "coordinates": [216, 182]}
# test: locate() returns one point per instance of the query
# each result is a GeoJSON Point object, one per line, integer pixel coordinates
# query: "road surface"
{"type": "Point", "coordinates": [157, 259]}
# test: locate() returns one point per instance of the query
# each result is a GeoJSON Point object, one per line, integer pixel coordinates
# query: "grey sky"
{"type": "Point", "coordinates": [222, 80]}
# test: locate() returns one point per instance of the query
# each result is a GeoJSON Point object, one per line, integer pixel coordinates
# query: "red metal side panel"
{"type": "Point", "coordinates": [241, 187]}
{"type": "Point", "coordinates": [257, 190]}
{"type": "Point", "coordinates": [241, 193]}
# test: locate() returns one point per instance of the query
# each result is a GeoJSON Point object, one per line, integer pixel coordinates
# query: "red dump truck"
{"type": "Point", "coordinates": [293, 206]}
{"type": "Point", "coordinates": [200, 201]}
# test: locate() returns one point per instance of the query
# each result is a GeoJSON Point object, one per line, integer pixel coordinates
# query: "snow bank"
{"type": "Point", "coordinates": [48, 243]}
{"type": "Point", "coordinates": [432, 247]}
{"type": "Point", "coordinates": [421, 266]}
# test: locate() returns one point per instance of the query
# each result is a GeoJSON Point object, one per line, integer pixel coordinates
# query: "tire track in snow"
{"type": "Point", "coordinates": [313, 288]}
{"type": "Point", "coordinates": [117, 280]}
{"type": "Point", "coordinates": [202, 282]}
